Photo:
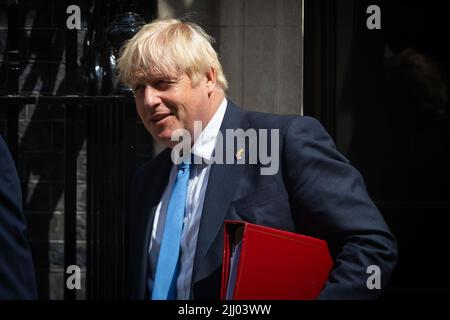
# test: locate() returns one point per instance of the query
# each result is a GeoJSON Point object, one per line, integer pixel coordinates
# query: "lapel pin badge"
{"type": "Point", "coordinates": [239, 154]}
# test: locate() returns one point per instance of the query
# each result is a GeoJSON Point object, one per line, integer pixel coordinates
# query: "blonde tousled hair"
{"type": "Point", "coordinates": [169, 47]}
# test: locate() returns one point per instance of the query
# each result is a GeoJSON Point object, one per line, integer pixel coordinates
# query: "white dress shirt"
{"type": "Point", "coordinates": [198, 181]}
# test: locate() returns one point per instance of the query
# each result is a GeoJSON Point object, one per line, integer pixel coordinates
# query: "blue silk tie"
{"type": "Point", "coordinates": [164, 287]}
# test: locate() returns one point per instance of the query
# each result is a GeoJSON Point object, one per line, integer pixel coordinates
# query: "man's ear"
{"type": "Point", "coordinates": [211, 79]}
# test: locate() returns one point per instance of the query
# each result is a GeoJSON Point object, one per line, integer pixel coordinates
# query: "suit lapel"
{"type": "Point", "coordinates": [222, 184]}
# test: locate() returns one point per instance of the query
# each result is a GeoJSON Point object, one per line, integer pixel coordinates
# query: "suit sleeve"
{"type": "Point", "coordinates": [330, 201]}
{"type": "Point", "coordinates": [17, 277]}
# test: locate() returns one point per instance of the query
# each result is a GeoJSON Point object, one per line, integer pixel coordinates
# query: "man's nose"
{"type": "Point", "coordinates": [151, 97]}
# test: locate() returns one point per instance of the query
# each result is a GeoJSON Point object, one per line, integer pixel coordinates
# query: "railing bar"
{"type": "Point", "coordinates": [115, 144]}
{"type": "Point", "coordinates": [90, 208]}
{"type": "Point", "coordinates": [121, 257]}
{"type": "Point", "coordinates": [97, 203]}
{"type": "Point", "coordinates": [70, 190]}
{"type": "Point", "coordinates": [103, 206]}
{"type": "Point", "coordinates": [12, 111]}
{"type": "Point", "coordinates": [112, 208]}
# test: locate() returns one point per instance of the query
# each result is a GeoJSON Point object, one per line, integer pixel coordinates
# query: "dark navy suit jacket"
{"type": "Point", "coordinates": [17, 277]}
{"type": "Point", "coordinates": [315, 192]}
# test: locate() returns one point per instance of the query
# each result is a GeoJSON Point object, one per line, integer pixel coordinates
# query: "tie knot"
{"type": "Point", "coordinates": [183, 168]}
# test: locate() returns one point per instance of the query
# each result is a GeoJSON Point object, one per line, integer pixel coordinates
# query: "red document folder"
{"type": "Point", "coordinates": [263, 263]}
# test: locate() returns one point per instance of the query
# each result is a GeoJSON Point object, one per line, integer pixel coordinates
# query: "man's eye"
{"type": "Point", "coordinates": [162, 83]}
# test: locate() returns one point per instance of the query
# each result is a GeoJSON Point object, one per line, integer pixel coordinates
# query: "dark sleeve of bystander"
{"type": "Point", "coordinates": [17, 276]}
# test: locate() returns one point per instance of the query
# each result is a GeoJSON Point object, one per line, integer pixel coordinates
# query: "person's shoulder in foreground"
{"type": "Point", "coordinates": [17, 277]}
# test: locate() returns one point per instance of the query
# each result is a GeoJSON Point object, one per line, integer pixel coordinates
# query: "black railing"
{"type": "Point", "coordinates": [111, 160]}
{"type": "Point", "coordinates": [109, 113]}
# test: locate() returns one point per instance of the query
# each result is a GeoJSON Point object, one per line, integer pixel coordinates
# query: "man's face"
{"type": "Point", "coordinates": [166, 103]}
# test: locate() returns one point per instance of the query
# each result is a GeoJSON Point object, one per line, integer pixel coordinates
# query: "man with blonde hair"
{"type": "Point", "coordinates": [176, 212]}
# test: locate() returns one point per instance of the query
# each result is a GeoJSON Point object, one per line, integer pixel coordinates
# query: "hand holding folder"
{"type": "Point", "coordinates": [265, 263]}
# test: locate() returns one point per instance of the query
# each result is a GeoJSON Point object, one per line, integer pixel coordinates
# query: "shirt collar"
{"type": "Point", "coordinates": [206, 141]}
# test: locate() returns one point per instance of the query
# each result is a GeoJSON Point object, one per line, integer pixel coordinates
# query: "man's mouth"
{"type": "Point", "coordinates": [158, 117]}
